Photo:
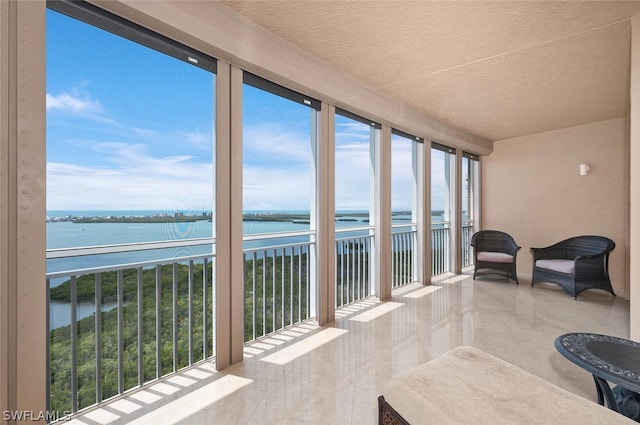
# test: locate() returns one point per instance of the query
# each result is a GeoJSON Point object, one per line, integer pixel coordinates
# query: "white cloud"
{"type": "Point", "coordinates": [198, 139]}
{"type": "Point", "coordinates": [272, 141]}
{"type": "Point", "coordinates": [133, 177]}
{"type": "Point", "coordinates": [77, 102]}
{"type": "Point", "coordinates": [275, 189]}
{"type": "Point", "coordinates": [352, 176]}
{"type": "Point", "coordinates": [137, 180]}
{"type": "Point", "coordinates": [143, 131]}
{"type": "Point", "coordinates": [277, 167]}
{"type": "Point", "coordinates": [438, 181]}
{"type": "Point", "coordinates": [352, 131]}
{"type": "Point", "coordinates": [277, 177]}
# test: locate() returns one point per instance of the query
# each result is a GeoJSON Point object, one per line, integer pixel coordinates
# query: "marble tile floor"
{"type": "Point", "coordinates": [334, 374]}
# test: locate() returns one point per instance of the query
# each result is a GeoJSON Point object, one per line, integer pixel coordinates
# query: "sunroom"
{"type": "Point", "coordinates": [194, 189]}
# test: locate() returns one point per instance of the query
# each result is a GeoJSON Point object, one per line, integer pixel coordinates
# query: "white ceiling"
{"type": "Point", "coordinates": [497, 69]}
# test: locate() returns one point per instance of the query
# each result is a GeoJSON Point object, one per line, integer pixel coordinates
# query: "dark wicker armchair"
{"type": "Point", "coordinates": [576, 264]}
{"type": "Point", "coordinates": [494, 252]}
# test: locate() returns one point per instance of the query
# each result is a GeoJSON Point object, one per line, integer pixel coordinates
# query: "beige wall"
{"type": "Point", "coordinates": [532, 189]}
{"type": "Point", "coordinates": [634, 195]}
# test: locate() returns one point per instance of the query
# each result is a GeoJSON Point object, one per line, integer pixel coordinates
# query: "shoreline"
{"type": "Point", "coordinates": [186, 218]}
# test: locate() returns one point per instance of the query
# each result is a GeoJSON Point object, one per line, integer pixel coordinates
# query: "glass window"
{"type": "Point", "coordinates": [353, 170]}
{"type": "Point", "coordinates": [130, 142]}
{"type": "Point", "coordinates": [130, 136]}
{"type": "Point", "coordinates": [403, 207]}
{"type": "Point", "coordinates": [354, 182]}
{"type": "Point", "coordinates": [468, 204]}
{"type": "Point", "coordinates": [278, 137]}
{"type": "Point", "coordinates": [442, 191]}
{"type": "Point", "coordinates": [403, 179]}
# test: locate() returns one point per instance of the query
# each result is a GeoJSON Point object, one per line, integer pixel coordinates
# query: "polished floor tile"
{"type": "Point", "coordinates": [334, 374]}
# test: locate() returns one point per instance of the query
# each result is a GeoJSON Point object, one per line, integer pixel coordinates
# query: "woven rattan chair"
{"type": "Point", "coordinates": [494, 252]}
{"type": "Point", "coordinates": [576, 264]}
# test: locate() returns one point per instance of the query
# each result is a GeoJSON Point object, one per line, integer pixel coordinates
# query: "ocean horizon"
{"type": "Point", "coordinates": [67, 234]}
{"type": "Point", "coordinates": [150, 213]}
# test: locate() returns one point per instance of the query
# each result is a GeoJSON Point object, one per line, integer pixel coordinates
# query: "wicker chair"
{"type": "Point", "coordinates": [494, 252]}
{"type": "Point", "coordinates": [576, 264]}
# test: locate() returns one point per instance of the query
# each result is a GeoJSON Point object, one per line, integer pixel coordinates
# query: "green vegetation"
{"type": "Point", "coordinates": [266, 217]}
{"type": "Point", "coordinates": [60, 351]}
{"type": "Point", "coordinates": [144, 219]}
{"type": "Point", "coordinates": [280, 296]}
{"type": "Point", "coordinates": [278, 217]}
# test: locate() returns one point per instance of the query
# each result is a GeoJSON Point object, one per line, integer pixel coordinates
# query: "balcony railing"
{"type": "Point", "coordinates": [403, 244]}
{"type": "Point", "coordinates": [467, 253]}
{"type": "Point", "coordinates": [440, 248]}
{"type": "Point", "coordinates": [353, 266]}
{"type": "Point", "coordinates": [277, 282]}
{"type": "Point", "coordinates": [119, 326]}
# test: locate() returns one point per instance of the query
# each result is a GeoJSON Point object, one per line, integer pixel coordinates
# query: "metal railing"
{"type": "Point", "coordinates": [144, 320]}
{"type": "Point", "coordinates": [353, 268]}
{"type": "Point", "coordinates": [147, 319]}
{"type": "Point", "coordinates": [467, 252]}
{"type": "Point", "coordinates": [403, 251]}
{"type": "Point", "coordinates": [440, 248]}
{"type": "Point", "coordinates": [277, 286]}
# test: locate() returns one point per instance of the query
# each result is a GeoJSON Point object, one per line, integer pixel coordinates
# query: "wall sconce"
{"type": "Point", "coordinates": [584, 169]}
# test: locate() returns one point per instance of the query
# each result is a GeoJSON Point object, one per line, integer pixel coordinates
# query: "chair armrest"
{"type": "Point", "coordinates": [547, 253]}
{"type": "Point", "coordinates": [513, 251]}
{"type": "Point", "coordinates": [588, 257]}
{"type": "Point", "coordinates": [588, 264]}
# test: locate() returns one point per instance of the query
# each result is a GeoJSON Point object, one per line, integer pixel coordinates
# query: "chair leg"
{"type": "Point", "coordinates": [515, 276]}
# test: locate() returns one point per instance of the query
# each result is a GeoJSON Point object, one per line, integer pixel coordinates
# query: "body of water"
{"type": "Point", "coordinates": [60, 313]}
{"type": "Point", "coordinates": [67, 234]}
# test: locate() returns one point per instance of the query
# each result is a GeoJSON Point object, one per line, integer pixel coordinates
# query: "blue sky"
{"type": "Point", "coordinates": [132, 129]}
{"type": "Point", "coordinates": [127, 128]}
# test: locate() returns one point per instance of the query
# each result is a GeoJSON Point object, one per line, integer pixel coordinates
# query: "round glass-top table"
{"type": "Point", "coordinates": [608, 359]}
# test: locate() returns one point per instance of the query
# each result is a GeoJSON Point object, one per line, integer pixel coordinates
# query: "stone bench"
{"type": "Point", "coordinates": [468, 386]}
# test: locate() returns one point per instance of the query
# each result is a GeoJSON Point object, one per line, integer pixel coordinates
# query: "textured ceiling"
{"type": "Point", "coordinates": [495, 69]}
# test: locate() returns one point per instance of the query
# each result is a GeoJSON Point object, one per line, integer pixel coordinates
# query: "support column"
{"type": "Point", "coordinates": [323, 213]}
{"type": "Point", "coordinates": [423, 199]}
{"type": "Point", "coordinates": [456, 216]}
{"type": "Point", "coordinates": [236, 213]}
{"type": "Point", "coordinates": [222, 219]}
{"type": "Point", "coordinates": [382, 212]}
{"type": "Point", "coordinates": [23, 303]}
{"type": "Point", "coordinates": [229, 264]}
